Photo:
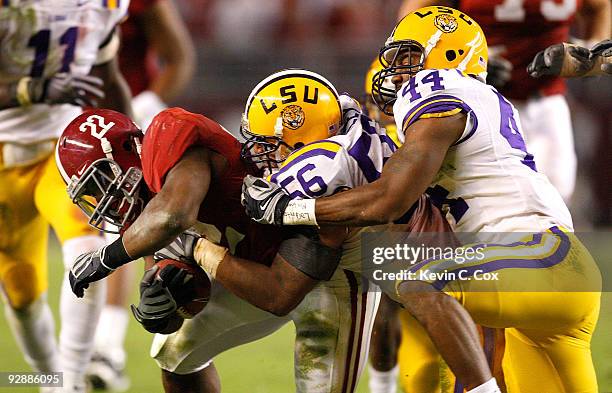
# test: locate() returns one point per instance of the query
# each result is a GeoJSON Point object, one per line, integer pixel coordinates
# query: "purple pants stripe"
{"type": "Point", "coordinates": [541, 263]}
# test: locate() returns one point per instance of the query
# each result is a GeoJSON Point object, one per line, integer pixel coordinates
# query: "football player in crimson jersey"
{"type": "Point", "coordinates": [193, 172]}
{"type": "Point", "coordinates": [516, 30]}
{"type": "Point", "coordinates": [157, 59]}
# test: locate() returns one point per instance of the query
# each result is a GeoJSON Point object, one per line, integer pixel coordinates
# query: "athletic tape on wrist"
{"type": "Point", "coordinates": [209, 256]}
{"type": "Point", "coordinates": [300, 212]}
{"type": "Point", "coordinates": [23, 91]}
{"type": "Point", "coordinates": [488, 387]}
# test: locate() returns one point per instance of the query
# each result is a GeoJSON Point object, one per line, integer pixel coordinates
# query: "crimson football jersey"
{"type": "Point", "coordinates": [517, 30]}
{"type": "Point", "coordinates": [170, 134]}
{"type": "Point", "coordinates": [134, 51]}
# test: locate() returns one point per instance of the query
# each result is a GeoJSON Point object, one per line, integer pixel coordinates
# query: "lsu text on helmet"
{"type": "Point", "coordinates": [98, 156]}
{"type": "Point", "coordinates": [285, 111]}
{"type": "Point", "coordinates": [430, 38]}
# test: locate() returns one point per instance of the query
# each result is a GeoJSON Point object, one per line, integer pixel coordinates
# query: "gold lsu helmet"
{"type": "Point", "coordinates": [430, 38]}
{"type": "Point", "coordinates": [285, 111]}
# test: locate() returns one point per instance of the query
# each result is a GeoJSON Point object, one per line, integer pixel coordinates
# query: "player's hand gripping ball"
{"type": "Point", "coordinates": [188, 284]}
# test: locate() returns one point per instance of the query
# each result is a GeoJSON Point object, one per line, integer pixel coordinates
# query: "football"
{"type": "Point", "coordinates": [187, 309]}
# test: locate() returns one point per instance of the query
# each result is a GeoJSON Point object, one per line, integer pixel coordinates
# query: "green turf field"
{"type": "Point", "coordinates": [261, 367]}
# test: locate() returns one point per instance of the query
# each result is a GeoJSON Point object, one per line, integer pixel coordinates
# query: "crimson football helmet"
{"type": "Point", "coordinates": [98, 155]}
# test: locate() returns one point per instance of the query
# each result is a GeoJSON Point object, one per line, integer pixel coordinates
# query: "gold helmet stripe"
{"type": "Point", "coordinates": [472, 44]}
{"type": "Point", "coordinates": [432, 42]}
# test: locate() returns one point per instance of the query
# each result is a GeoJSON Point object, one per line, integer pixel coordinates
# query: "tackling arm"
{"type": "Point", "coordinates": [175, 208]}
{"type": "Point", "coordinates": [277, 289]}
{"type": "Point", "coordinates": [404, 177]}
{"type": "Point", "coordinates": [299, 265]}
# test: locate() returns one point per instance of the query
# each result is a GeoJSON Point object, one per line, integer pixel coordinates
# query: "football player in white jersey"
{"type": "Point", "coordinates": [55, 57]}
{"type": "Point", "coordinates": [463, 144]}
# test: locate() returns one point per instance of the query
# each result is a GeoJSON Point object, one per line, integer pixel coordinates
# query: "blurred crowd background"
{"type": "Point", "coordinates": [239, 42]}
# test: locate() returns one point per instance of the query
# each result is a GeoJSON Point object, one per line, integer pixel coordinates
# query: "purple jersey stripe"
{"type": "Point", "coordinates": [458, 386]}
{"type": "Point", "coordinates": [557, 257]}
{"type": "Point", "coordinates": [472, 131]}
{"type": "Point", "coordinates": [384, 138]}
{"type": "Point", "coordinates": [449, 103]}
{"type": "Point", "coordinates": [359, 152]}
{"type": "Point", "coordinates": [302, 157]}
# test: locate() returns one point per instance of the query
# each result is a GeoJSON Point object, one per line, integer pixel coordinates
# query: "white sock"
{"type": "Point", "coordinates": [34, 330]}
{"type": "Point", "coordinates": [79, 317]}
{"type": "Point", "coordinates": [383, 381]}
{"type": "Point", "coordinates": [488, 387]}
{"type": "Point", "coordinates": [111, 331]}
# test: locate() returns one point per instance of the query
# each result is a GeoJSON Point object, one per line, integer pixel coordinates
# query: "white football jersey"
{"type": "Point", "coordinates": [40, 38]}
{"type": "Point", "coordinates": [354, 158]}
{"type": "Point", "coordinates": [488, 181]}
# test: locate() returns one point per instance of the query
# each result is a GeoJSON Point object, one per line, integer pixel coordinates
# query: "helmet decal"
{"type": "Point", "coordinates": [446, 23]}
{"type": "Point", "coordinates": [293, 116]}
{"type": "Point", "coordinates": [285, 111]}
{"type": "Point", "coordinates": [98, 156]}
{"type": "Point", "coordinates": [92, 123]}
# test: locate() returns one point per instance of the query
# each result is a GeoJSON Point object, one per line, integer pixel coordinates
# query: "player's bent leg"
{"type": "Point", "coordinates": [226, 322]}
{"type": "Point", "coordinates": [23, 267]}
{"type": "Point", "coordinates": [602, 344]}
{"type": "Point", "coordinates": [421, 367]}
{"type": "Point", "coordinates": [203, 381]}
{"type": "Point", "coordinates": [332, 343]}
{"type": "Point", "coordinates": [79, 316]}
{"type": "Point", "coordinates": [28, 314]}
{"type": "Point", "coordinates": [554, 326]}
{"type": "Point", "coordinates": [107, 368]}
{"type": "Point", "coordinates": [384, 347]}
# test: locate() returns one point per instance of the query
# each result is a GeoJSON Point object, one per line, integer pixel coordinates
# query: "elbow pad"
{"type": "Point", "coordinates": [309, 256]}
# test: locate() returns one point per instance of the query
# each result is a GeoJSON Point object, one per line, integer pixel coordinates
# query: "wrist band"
{"type": "Point", "coordinates": [115, 255]}
{"type": "Point", "coordinates": [300, 212]}
{"type": "Point", "coordinates": [23, 92]}
{"type": "Point", "coordinates": [209, 255]}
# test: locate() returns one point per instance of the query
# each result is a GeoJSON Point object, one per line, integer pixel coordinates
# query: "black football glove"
{"type": "Point", "coordinates": [88, 268]}
{"type": "Point", "coordinates": [604, 49]}
{"type": "Point", "coordinates": [264, 201]}
{"type": "Point", "coordinates": [181, 249]}
{"type": "Point", "coordinates": [550, 60]}
{"type": "Point", "coordinates": [157, 307]}
{"type": "Point", "coordinates": [499, 71]}
{"type": "Point", "coordinates": [179, 282]}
